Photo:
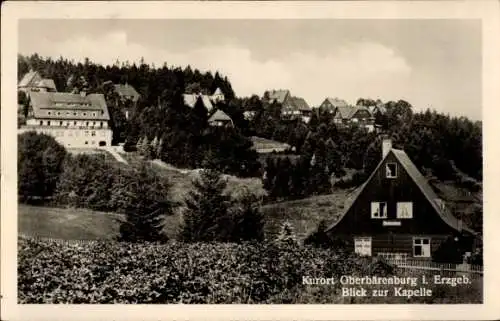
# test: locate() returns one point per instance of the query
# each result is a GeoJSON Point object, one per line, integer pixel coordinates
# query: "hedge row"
{"type": "Point", "coordinates": [104, 272]}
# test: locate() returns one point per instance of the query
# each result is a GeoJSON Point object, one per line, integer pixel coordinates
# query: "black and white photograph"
{"type": "Point", "coordinates": [247, 161]}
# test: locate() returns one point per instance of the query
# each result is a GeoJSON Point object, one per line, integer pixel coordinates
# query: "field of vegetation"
{"type": "Point", "coordinates": [264, 145]}
{"type": "Point", "coordinates": [305, 214]}
{"type": "Point", "coordinates": [108, 272]}
{"type": "Point", "coordinates": [67, 224]}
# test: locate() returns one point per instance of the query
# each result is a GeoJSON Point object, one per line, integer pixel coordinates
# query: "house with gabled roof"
{"type": "Point", "coordinates": [279, 96]}
{"type": "Point", "coordinates": [33, 81]}
{"type": "Point", "coordinates": [190, 100]}
{"type": "Point", "coordinates": [220, 119]}
{"type": "Point", "coordinates": [330, 104]}
{"type": "Point", "coordinates": [217, 96]}
{"type": "Point", "coordinates": [292, 107]}
{"type": "Point", "coordinates": [354, 115]}
{"type": "Point", "coordinates": [126, 91]}
{"type": "Point", "coordinates": [76, 120]}
{"type": "Point", "coordinates": [396, 211]}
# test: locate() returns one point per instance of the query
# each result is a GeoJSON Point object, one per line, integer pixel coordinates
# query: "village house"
{"type": "Point", "coordinates": [220, 119]}
{"type": "Point", "coordinates": [32, 81]}
{"type": "Point", "coordinates": [217, 96]}
{"type": "Point", "coordinates": [190, 100]}
{"type": "Point", "coordinates": [126, 93]}
{"type": "Point", "coordinates": [330, 104]}
{"type": "Point", "coordinates": [75, 120]}
{"type": "Point", "coordinates": [396, 211]}
{"type": "Point", "coordinates": [291, 107]}
{"type": "Point", "coordinates": [208, 101]}
{"type": "Point", "coordinates": [354, 115]}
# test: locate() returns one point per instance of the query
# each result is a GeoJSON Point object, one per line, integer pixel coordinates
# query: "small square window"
{"type": "Point", "coordinates": [391, 170]}
{"type": "Point", "coordinates": [404, 210]}
{"type": "Point", "coordinates": [379, 210]}
{"type": "Point", "coordinates": [74, 113]}
{"type": "Point", "coordinates": [421, 247]}
{"type": "Point", "coordinates": [49, 113]}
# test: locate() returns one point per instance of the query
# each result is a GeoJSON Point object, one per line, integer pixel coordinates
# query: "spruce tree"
{"type": "Point", "coordinates": [206, 216]}
{"type": "Point", "coordinates": [144, 197]}
{"type": "Point", "coordinates": [248, 219]}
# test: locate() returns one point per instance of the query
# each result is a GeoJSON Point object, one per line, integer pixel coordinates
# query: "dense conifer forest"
{"type": "Point", "coordinates": [443, 146]}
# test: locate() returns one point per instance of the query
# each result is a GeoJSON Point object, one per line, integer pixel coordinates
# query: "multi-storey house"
{"type": "Point", "coordinates": [76, 120]}
{"type": "Point", "coordinates": [396, 211]}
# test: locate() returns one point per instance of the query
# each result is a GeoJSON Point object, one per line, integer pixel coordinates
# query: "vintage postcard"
{"type": "Point", "coordinates": [250, 160]}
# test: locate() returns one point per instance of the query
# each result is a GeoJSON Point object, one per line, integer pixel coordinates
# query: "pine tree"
{"type": "Point", "coordinates": [144, 198]}
{"type": "Point", "coordinates": [206, 216]}
{"type": "Point", "coordinates": [248, 219]}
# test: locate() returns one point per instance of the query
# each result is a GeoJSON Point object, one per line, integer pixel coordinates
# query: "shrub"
{"type": "Point", "coordinates": [40, 162]}
{"type": "Point", "coordinates": [145, 200]}
{"type": "Point", "coordinates": [206, 216]}
{"type": "Point", "coordinates": [214, 273]}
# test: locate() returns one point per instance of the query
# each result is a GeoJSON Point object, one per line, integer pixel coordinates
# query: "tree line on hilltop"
{"type": "Point", "coordinates": [162, 127]}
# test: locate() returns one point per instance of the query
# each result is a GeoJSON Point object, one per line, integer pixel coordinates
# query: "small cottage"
{"type": "Point", "coordinates": [220, 119]}
{"type": "Point", "coordinates": [396, 211]}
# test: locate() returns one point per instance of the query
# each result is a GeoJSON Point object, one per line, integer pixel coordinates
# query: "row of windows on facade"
{"type": "Point", "coordinates": [404, 210]}
{"type": "Point", "coordinates": [75, 113]}
{"type": "Point", "coordinates": [421, 246]}
{"type": "Point", "coordinates": [353, 120]}
{"type": "Point", "coordinates": [72, 104]}
{"type": "Point", "coordinates": [67, 123]}
{"type": "Point", "coordinates": [60, 133]}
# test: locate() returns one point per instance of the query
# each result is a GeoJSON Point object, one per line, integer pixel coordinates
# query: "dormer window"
{"type": "Point", "coordinates": [391, 170]}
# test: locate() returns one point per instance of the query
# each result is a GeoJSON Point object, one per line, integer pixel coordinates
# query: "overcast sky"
{"type": "Point", "coordinates": [429, 63]}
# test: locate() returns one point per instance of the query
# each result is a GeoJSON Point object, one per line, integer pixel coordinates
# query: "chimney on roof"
{"type": "Point", "coordinates": [83, 92]}
{"type": "Point", "coordinates": [386, 146]}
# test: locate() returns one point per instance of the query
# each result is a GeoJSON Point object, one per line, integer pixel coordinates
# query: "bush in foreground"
{"type": "Point", "coordinates": [104, 272]}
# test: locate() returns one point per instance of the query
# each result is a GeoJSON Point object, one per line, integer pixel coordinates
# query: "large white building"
{"type": "Point", "coordinates": [74, 120]}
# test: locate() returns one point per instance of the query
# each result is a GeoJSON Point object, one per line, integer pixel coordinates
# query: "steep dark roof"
{"type": "Point", "coordinates": [300, 104]}
{"type": "Point", "coordinates": [126, 90]}
{"type": "Point", "coordinates": [43, 102]}
{"type": "Point", "coordinates": [219, 115]}
{"type": "Point", "coordinates": [337, 102]}
{"type": "Point", "coordinates": [191, 99]}
{"type": "Point", "coordinates": [30, 78]}
{"type": "Point", "coordinates": [423, 185]}
{"type": "Point", "coordinates": [278, 95]}
{"type": "Point", "coordinates": [47, 83]}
